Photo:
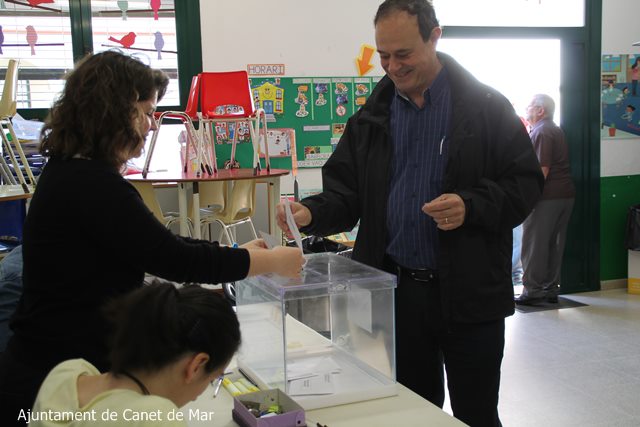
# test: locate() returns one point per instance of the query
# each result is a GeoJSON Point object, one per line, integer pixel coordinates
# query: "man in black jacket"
{"type": "Point", "coordinates": [438, 169]}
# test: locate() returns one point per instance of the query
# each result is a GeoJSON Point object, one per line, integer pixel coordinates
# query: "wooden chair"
{"type": "Point", "coordinates": [238, 210]}
{"type": "Point", "coordinates": [148, 194]}
{"type": "Point", "coordinates": [213, 199]}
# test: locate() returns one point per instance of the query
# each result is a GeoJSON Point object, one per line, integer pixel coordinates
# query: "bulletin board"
{"type": "Point", "coordinates": [305, 118]}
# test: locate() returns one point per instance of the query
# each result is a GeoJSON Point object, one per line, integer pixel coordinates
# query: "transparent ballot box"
{"type": "Point", "coordinates": [326, 338]}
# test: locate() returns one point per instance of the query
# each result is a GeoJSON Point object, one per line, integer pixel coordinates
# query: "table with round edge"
{"type": "Point", "coordinates": [191, 179]}
{"type": "Point", "coordinates": [14, 192]}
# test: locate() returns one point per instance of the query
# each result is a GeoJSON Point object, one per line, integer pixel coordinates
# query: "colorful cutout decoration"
{"type": "Point", "coordinates": [126, 41]}
{"type": "Point", "coordinates": [123, 5]}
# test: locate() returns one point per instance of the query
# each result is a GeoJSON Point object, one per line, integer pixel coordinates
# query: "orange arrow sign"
{"type": "Point", "coordinates": [363, 62]}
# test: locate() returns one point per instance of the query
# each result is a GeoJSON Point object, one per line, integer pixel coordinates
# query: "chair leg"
{"type": "Point", "coordinates": [152, 146]}
{"type": "Point", "coordinates": [255, 142]}
{"type": "Point", "coordinates": [263, 117]}
{"type": "Point", "coordinates": [253, 229]}
{"type": "Point", "coordinates": [20, 151]}
{"type": "Point", "coordinates": [7, 176]}
{"type": "Point", "coordinates": [14, 161]}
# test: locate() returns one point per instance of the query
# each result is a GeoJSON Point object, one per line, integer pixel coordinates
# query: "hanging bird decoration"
{"type": "Point", "coordinates": [124, 6]}
{"type": "Point", "coordinates": [32, 38]}
{"type": "Point", "coordinates": [159, 43]}
{"type": "Point", "coordinates": [126, 41]}
{"type": "Point", "coordinates": [1, 39]}
{"type": "Point", "coordinates": [37, 2]}
{"type": "Point", "coordinates": [155, 5]}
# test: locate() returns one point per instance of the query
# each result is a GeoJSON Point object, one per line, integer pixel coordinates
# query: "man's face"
{"type": "Point", "coordinates": [409, 61]}
{"type": "Point", "coordinates": [534, 112]}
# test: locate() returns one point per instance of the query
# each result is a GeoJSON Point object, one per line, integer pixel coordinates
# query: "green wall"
{"type": "Point", "coordinates": [617, 193]}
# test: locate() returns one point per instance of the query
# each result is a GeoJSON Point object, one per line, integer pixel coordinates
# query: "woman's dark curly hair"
{"type": "Point", "coordinates": [96, 114]}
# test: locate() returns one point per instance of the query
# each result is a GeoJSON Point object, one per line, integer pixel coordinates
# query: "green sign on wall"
{"type": "Point", "coordinates": [305, 118]}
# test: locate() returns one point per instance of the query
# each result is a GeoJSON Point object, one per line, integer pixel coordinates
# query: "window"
{"type": "Point", "coordinates": [60, 33]}
{"type": "Point", "coordinates": [40, 37]}
{"type": "Point", "coordinates": [143, 29]}
{"type": "Point", "coordinates": [611, 64]}
{"type": "Point", "coordinates": [518, 68]}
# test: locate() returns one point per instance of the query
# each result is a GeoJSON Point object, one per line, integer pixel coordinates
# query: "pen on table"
{"type": "Point", "coordinates": [215, 392]}
{"type": "Point", "coordinates": [248, 378]}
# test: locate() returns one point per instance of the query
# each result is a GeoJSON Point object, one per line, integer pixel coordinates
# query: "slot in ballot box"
{"type": "Point", "coordinates": [325, 339]}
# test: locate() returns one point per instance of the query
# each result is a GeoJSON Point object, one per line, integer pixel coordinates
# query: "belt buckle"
{"type": "Point", "coordinates": [424, 276]}
{"type": "Point", "coordinates": [418, 276]}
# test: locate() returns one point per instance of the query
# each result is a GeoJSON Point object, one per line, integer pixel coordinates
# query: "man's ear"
{"type": "Point", "coordinates": [195, 367]}
{"type": "Point", "coordinates": [436, 33]}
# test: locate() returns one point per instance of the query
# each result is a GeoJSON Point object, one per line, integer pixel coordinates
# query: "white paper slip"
{"type": "Point", "coordinates": [270, 240]}
{"type": "Point", "coordinates": [320, 384]}
{"type": "Point", "coordinates": [292, 223]}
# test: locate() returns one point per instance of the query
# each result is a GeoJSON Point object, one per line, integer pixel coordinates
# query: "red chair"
{"type": "Point", "coordinates": [226, 97]}
{"type": "Point", "coordinates": [194, 136]}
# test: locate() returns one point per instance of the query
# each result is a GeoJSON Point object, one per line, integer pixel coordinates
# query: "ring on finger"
{"type": "Point", "coordinates": [446, 220]}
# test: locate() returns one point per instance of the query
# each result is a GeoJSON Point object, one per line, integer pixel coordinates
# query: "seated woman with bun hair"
{"type": "Point", "coordinates": [169, 345]}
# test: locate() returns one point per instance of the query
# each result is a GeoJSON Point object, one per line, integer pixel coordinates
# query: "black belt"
{"type": "Point", "coordinates": [424, 275]}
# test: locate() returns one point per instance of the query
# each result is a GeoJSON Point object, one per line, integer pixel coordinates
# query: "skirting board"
{"type": "Point", "coordinates": [606, 285]}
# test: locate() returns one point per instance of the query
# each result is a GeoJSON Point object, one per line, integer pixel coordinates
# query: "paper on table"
{"type": "Point", "coordinates": [292, 223]}
{"type": "Point", "coordinates": [321, 384]}
{"type": "Point", "coordinates": [312, 367]}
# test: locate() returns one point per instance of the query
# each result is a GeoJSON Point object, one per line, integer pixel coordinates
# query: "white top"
{"type": "Point", "coordinates": [57, 403]}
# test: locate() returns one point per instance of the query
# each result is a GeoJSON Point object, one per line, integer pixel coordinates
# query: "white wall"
{"type": "Point", "coordinates": [312, 38]}
{"type": "Point", "coordinates": [620, 29]}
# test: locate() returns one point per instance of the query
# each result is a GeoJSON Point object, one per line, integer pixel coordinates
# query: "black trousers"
{"type": "Point", "coordinates": [471, 353]}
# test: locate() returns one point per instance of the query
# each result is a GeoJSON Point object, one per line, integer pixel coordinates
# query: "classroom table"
{"type": "Point", "coordinates": [191, 180]}
{"type": "Point", "coordinates": [14, 192]}
{"type": "Point", "coordinates": [406, 409]}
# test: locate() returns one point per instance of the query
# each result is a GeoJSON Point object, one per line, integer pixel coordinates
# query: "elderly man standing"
{"type": "Point", "coordinates": [438, 168]}
{"type": "Point", "coordinates": [545, 229]}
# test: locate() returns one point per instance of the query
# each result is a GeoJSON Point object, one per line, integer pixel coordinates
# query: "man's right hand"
{"type": "Point", "coordinates": [301, 215]}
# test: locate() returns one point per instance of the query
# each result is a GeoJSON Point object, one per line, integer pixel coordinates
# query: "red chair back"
{"type": "Point", "coordinates": [191, 108]}
{"type": "Point", "coordinates": [221, 92]}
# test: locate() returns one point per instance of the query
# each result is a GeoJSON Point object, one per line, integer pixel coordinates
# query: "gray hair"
{"type": "Point", "coordinates": [546, 102]}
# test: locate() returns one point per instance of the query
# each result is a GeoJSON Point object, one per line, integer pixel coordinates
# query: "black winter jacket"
{"type": "Point", "coordinates": [491, 165]}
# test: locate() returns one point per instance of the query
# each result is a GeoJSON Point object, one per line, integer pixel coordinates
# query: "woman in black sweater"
{"type": "Point", "coordinates": [88, 237]}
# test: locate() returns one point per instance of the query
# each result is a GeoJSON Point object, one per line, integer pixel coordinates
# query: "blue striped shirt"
{"type": "Point", "coordinates": [419, 139]}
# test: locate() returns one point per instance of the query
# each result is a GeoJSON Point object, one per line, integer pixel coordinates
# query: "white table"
{"type": "Point", "coordinates": [407, 409]}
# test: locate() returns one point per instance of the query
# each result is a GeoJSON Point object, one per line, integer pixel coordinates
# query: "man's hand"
{"type": "Point", "coordinates": [301, 215]}
{"type": "Point", "coordinates": [447, 210]}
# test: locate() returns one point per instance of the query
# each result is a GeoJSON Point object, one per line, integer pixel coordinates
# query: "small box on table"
{"type": "Point", "coordinates": [325, 339]}
{"type": "Point", "coordinates": [290, 414]}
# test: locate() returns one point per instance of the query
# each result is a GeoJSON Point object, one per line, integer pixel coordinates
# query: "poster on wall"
{"type": "Point", "coordinates": [306, 117]}
{"type": "Point", "coordinates": [620, 96]}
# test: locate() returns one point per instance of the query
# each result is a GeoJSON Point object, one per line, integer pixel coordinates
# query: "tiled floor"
{"type": "Point", "coordinates": [575, 366]}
